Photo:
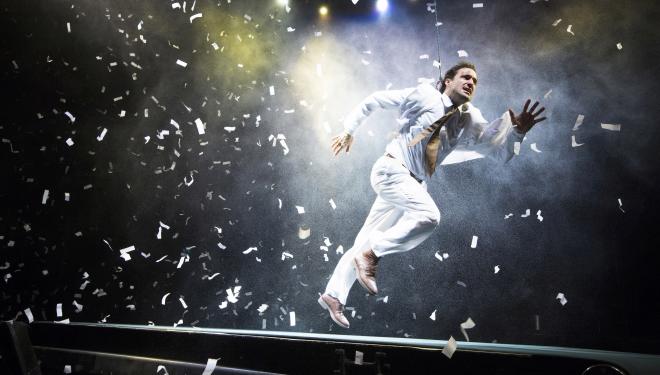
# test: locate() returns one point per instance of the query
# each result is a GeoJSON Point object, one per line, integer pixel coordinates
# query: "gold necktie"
{"type": "Point", "coordinates": [431, 151]}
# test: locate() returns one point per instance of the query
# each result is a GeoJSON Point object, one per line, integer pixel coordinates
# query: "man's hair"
{"type": "Point", "coordinates": [451, 73]}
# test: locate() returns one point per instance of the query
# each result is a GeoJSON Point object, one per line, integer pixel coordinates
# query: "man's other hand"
{"type": "Point", "coordinates": [340, 142]}
{"type": "Point", "coordinates": [527, 118]}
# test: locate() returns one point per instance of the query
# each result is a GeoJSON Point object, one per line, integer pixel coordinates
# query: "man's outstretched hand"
{"type": "Point", "coordinates": [340, 142]}
{"type": "Point", "coordinates": [527, 118]}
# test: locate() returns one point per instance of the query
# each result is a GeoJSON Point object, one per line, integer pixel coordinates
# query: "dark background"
{"type": "Point", "coordinates": [604, 260]}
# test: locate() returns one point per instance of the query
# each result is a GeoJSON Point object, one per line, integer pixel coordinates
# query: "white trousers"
{"type": "Point", "coordinates": [402, 217]}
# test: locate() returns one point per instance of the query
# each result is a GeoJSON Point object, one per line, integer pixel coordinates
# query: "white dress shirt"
{"type": "Point", "coordinates": [465, 137]}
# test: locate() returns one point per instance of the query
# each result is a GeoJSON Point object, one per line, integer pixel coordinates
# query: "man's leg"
{"type": "Point", "coordinates": [419, 218]}
{"type": "Point", "coordinates": [381, 217]}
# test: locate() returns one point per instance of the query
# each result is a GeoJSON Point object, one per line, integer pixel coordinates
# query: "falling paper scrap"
{"type": "Point", "coordinates": [303, 233]}
{"type": "Point", "coordinates": [450, 348]}
{"type": "Point", "coordinates": [462, 53]}
{"type": "Point", "coordinates": [432, 317]}
{"type": "Point", "coordinates": [527, 213]}
{"type": "Point", "coordinates": [621, 205]}
{"type": "Point", "coordinates": [474, 242]}
{"type": "Point", "coordinates": [574, 142]}
{"type": "Point", "coordinates": [538, 215]}
{"type": "Point", "coordinates": [210, 366]}
{"type": "Point", "coordinates": [578, 122]}
{"type": "Point", "coordinates": [561, 298]}
{"type": "Point", "coordinates": [468, 324]}
{"type": "Point", "coordinates": [612, 127]}
{"type": "Point", "coordinates": [534, 148]}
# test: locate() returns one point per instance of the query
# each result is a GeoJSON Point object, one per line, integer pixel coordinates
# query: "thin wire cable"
{"type": "Point", "coordinates": [437, 34]}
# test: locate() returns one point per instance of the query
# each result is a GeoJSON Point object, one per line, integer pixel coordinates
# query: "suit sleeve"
{"type": "Point", "coordinates": [379, 99]}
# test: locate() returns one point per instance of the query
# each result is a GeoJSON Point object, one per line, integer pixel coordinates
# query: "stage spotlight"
{"type": "Point", "coordinates": [323, 10]}
{"type": "Point", "coordinates": [382, 5]}
{"type": "Point", "coordinates": [283, 2]}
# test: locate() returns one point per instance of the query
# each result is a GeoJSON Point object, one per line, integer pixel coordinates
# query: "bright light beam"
{"type": "Point", "coordinates": [323, 10]}
{"type": "Point", "coordinates": [382, 5]}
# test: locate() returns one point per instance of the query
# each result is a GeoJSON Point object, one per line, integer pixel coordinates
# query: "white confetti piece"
{"type": "Point", "coordinates": [556, 22]}
{"type": "Point", "coordinates": [516, 148]}
{"type": "Point", "coordinates": [364, 62]}
{"type": "Point", "coordinates": [28, 314]}
{"type": "Point", "coordinates": [161, 368]}
{"type": "Point", "coordinates": [78, 306]}
{"type": "Point", "coordinates": [67, 196]}
{"type": "Point", "coordinates": [332, 204]}
{"type": "Point", "coordinates": [125, 252]}
{"type": "Point", "coordinates": [210, 366]}
{"type": "Point", "coordinates": [527, 213]}
{"type": "Point", "coordinates": [181, 63]}
{"type": "Point", "coordinates": [462, 53]}
{"type": "Point", "coordinates": [436, 64]}
{"type": "Point", "coordinates": [621, 205]}
{"type": "Point", "coordinates": [271, 90]}
{"type": "Point", "coordinates": [195, 16]}
{"type": "Point", "coordinates": [249, 250]}
{"type": "Point", "coordinates": [468, 324]}
{"type": "Point", "coordinates": [538, 215]}
{"type": "Point", "coordinates": [508, 216]}
{"type": "Point", "coordinates": [213, 276]}
{"type": "Point", "coordinates": [477, 5]}
{"type": "Point", "coordinates": [102, 135]}
{"type": "Point", "coordinates": [578, 122]}
{"type": "Point", "coordinates": [450, 348]}
{"type": "Point", "coordinates": [68, 27]}
{"type": "Point", "coordinates": [574, 142]}
{"type": "Point", "coordinates": [612, 127]}
{"type": "Point", "coordinates": [183, 303]}
{"type": "Point", "coordinates": [162, 300]}
{"type": "Point", "coordinates": [432, 317]}
{"type": "Point", "coordinates": [200, 126]}
{"type": "Point", "coordinates": [292, 318]}
{"type": "Point", "coordinates": [262, 308]}
{"type": "Point", "coordinates": [424, 57]}
{"type": "Point", "coordinates": [58, 310]}
{"type": "Point", "coordinates": [569, 29]}
{"type": "Point", "coordinates": [474, 242]}
{"type": "Point", "coordinates": [562, 299]}
{"type": "Point", "coordinates": [301, 210]}
{"type": "Point", "coordinates": [496, 269]}
{"type": "Point", "coordinates": [304, 233]}
{"type": "Point", "coordinates": [67, 369]}
{"type": "Point", "coordinates": [223, 305]}
{"type": "Point", "coordinates": [44, 198]}
{"type": "Point", "coordinates": [340, 249]}
{"type": "Point", "coordinates": [290, 29]}
{"type": "Point", "coordinates": [619, 46]}
{"type": "Point", "coordinates": [547, 94]}
{"type": "Point", "coordinates": [359, 357]}
{"type": "Point", "coordinates": [69, 142]}
{"type": "Point", "coordinates": [534, 148]}
{"type": "Point", "coordinates": [438, 256]}
{"type": "Point", "coordinates": [70, 116]}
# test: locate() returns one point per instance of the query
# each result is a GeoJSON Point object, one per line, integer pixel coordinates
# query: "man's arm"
{"type": "Point", "coordinates": [378, 100]}
{"type": "Point", "coordinates": [497, 139]}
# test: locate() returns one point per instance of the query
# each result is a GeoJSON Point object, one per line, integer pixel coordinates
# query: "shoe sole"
{"type": "Point", "coordinates": [357, 271]}
{"type": "Point", "coordinates": [332, 316]}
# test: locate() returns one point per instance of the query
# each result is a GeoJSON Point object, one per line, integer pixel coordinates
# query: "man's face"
{"type": "Point", "coordinates": [461, 88]}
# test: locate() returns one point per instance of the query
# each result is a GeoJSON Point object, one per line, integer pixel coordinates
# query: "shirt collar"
{"type": "Point", "coordinates": [446, 101]}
